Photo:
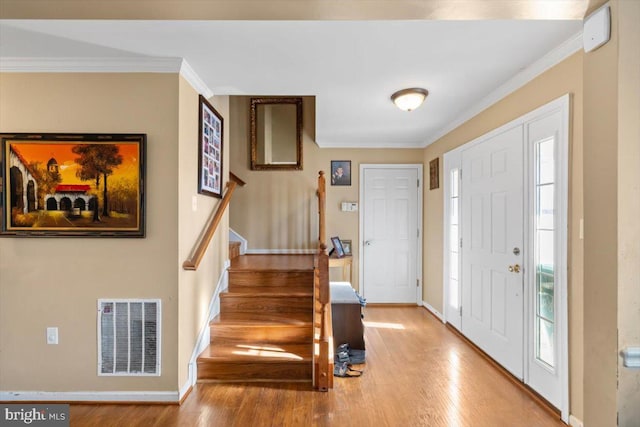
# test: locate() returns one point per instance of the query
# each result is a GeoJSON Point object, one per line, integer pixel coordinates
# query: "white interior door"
{"type": "Point", "coordinates": [390, 233]}
{"type": "Point", "coordinates": [492, 243]}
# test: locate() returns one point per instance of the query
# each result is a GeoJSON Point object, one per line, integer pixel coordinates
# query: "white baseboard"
{"type": "Point", "coordinates": [90, 396]}
{"type": "Point", "coordinates": [204, 337]}
{"type": "Point", "coordinates": [234, 236]}
{"type": "Point", "coordinates": [575, 422]}
{"type": "Point", "coordinates": [281, 251]}
{"type": "Point", "coordinates": [433, 310]}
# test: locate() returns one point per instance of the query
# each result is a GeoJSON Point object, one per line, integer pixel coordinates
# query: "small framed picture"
{"type": "Point", "coordinates": [340, 172]}
{"type": "Point", "coordinates": [210, 138]}
{"type": "Point", "coordinates": [346, 246]}
{"type": "Point", "coordinates": [337, 247]}
{"type": "Point", "coordinates": [434, 174]}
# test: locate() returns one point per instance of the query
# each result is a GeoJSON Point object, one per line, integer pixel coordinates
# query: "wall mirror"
{"type": "Point", "coordinates": [276, 133]}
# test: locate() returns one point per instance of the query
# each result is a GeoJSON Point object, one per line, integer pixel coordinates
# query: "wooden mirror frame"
{"type": "Point", "coordinates": [253, 132]}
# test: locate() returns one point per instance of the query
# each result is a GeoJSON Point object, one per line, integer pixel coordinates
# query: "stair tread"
{"type": "Point", "coordinates": [282, 263]}
{"type": "Point", "coordinates": [257, 353]}
{"type": "Point", "coordinates": [255, 294]}
{"type": "Point", "coordinates": [262, 319]}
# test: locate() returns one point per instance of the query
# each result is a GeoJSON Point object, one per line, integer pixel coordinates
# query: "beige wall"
{"type": "Point", "coordinates": [196, 288]}
{"type": "Point", "coordinates": [57, 281]}
{"type": "Point", "coordinates": [278, 209]}
{"type": "Point", "coordinates": [628, 206]}
{"type": "Point", "coordinates": [564, 78]}
{"type": "Point", "coordinates": [601, 229]}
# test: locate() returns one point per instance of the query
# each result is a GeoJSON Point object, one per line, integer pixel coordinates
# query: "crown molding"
{"type": "Point", "coordinates": [194, 79]}
{"type": "Point", "coordinates": [361, 144]}
{"type": "Point", "coordinates": [106, 65]}
{"type": "Point", "coordinates": [91, 65]}
{"type": "Point", "coordinates": [554, 57]}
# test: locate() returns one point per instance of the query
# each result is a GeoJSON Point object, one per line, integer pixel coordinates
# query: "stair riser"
{"type": "Point", "coordinates": [232, 371]}
{"type": "Point", "coordinates": [234, 304]}
{"type": "Point", "coordinates": [257, 333]}
{"type": "Point", "coordinates": [267, 281]}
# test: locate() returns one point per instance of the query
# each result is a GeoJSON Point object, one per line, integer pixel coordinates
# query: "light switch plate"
{"type": "Point", "coordinates": [52, 335]}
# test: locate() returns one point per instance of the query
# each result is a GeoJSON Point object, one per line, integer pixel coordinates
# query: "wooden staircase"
{"type": "Point", "coordinates": [264, 331]}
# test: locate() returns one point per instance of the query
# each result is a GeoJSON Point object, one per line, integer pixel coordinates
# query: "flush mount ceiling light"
{"type": "Point", "coordinates": [409, 99]}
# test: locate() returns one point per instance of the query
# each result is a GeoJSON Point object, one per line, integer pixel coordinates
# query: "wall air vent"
{"type": "Point", "coordinates": [129, 337]}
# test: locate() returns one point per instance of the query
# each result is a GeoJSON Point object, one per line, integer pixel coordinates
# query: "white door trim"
{"type": "Point", "coordinates": [563, 104]}
{"type": "Point", "coordinates": [419, 169]}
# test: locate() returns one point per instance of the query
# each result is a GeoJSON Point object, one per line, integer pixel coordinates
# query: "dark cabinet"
{"type": "Point", "coordinates": [346, 313]}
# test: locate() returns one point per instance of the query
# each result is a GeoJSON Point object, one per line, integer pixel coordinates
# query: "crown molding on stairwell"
{"type": "Point", "coordinates": [90, 396]}
{"type": "Point", "coordinates": [554, 57]}
{"type": "Point", "coordinates": [138, 64]}
{"type": "Point", "coordinates": [433, 311]}
{"type": "Point", "coordinates": [194, 80]}
{"type": "Point", "coordinates": [145, 64]}
{"type": "Point", "coordinates": [203, 337]}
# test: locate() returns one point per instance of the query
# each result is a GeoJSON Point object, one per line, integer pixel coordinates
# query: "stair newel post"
{"type": "Point", "coordinates": [323, 331]}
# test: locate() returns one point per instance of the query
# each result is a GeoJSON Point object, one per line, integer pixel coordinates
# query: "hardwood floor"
{"type": "Point", "coordinates": [418, 373]}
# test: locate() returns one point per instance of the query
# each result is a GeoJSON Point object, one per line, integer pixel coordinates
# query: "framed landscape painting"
{"type": "Point", "coordinates": [88, 185]}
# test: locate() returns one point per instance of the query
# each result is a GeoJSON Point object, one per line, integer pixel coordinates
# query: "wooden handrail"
{"type": "Point", "coordinates": [210, 228]}
{"type": "Point", "coordinates": [322, 322]}
{"type": "Point", "coordinates": [235, 178]}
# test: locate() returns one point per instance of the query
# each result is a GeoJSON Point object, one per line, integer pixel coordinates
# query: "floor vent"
{"type": "Point", "coordinates": [128, 337]}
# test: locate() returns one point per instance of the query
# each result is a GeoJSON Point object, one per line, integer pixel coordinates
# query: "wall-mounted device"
{"type": "Point", "coordinates": [597, 29]}
{"type": "Point", "coordinates": [349, 207]}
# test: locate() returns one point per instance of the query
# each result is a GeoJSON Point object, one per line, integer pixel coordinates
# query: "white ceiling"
{"type": "Point", "coordinates": [352, 67]}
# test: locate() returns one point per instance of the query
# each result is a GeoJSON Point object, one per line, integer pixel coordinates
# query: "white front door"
{"type": "Point", "coordinates": [492, 244]}
{"type": "Point", "coordinates": [390, 233]}
{"type": "Point", "coordinates": [511, 186]}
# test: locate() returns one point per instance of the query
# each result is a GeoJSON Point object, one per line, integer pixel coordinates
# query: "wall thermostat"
{"type": "Point", "coordinates": [597, 29]}
{"type": "Point", "coordinates": [349, 207]}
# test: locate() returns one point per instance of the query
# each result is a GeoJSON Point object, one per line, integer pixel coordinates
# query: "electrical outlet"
{"type": "Point", "coordinates": [52, 335]}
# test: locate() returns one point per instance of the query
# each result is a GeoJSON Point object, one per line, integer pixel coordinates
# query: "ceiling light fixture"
{"type": "Point", "coordinates": [409, 99]}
